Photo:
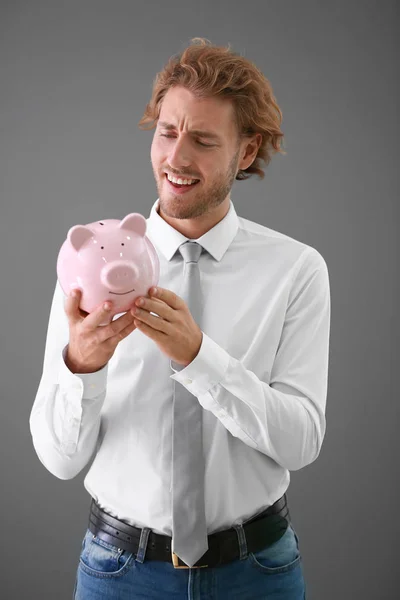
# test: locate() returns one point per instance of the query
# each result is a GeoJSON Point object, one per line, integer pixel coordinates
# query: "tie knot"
{"type": "Point", "coordinates": [190, 251]}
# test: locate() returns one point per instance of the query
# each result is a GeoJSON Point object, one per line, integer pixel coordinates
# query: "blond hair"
{"type": "Point", "coordinates": [207, 70]}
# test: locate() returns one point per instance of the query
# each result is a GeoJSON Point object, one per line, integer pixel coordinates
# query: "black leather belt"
{"type": "Point", "coordinates": [223, 546]}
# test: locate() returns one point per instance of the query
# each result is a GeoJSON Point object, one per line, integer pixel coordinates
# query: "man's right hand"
{"type": "Point", "coordinates": [90, 345]}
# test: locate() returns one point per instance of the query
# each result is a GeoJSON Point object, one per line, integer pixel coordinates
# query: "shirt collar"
{"type": "Point", "coordinates": [167, 239]}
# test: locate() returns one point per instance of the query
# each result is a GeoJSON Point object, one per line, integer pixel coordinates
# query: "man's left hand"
{"type": "Point", "coordinates": [174, 330]}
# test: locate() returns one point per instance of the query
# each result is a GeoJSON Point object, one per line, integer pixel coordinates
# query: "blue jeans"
{"type": "Point", "coordinates": [108, 573]}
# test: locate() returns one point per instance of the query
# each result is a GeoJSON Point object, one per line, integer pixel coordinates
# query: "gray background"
{"type": "Point", "coordinates": [75, 78]}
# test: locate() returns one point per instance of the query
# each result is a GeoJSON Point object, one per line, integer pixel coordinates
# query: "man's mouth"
{"type": "Point", "coordinates": [181, 186]}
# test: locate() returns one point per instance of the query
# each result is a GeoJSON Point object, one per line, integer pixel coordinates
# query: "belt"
{"type": "Point", "coordinates": [223, 546]}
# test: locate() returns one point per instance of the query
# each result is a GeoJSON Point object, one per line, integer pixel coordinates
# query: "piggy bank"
{"type": "Point", "coordinates": [108, 260]}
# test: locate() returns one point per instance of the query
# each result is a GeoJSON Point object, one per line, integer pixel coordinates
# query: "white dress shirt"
{"type": "Point", "coordinates": [261, 377]}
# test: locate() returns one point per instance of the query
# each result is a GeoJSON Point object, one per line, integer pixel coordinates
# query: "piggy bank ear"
{"type": "Point", "coordinates": [79, 235]}
{"type": "Point", "coordinates": [134, 222]}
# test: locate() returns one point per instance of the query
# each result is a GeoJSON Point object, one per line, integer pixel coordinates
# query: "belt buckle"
{"type": "Point", "coordinates": [175, 561]}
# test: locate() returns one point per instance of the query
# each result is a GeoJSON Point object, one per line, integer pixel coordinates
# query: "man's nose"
{"type": "Point", "coordinates": [179, 155]}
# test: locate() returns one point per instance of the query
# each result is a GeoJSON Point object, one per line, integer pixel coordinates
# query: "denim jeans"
{"type": "Point", "coordinates": [108, 573]}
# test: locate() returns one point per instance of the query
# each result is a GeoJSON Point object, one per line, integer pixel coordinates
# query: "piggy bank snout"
{"type": "Point", "coordinates": [119, 276]}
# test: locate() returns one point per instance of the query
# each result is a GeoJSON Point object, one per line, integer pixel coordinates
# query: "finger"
{"type": "Point", "coordinates": [125, 331]}
{"type": "Point", "coordinates": [155, 306]}
{"type": "Point", "coordinates": [99, 315]}
{"type": "Point", "coordinates": [115, 327]}
{"type": "Point", "coordinates": [167, 296]}
{"type": "Point", "coordinates": [71, 306]}
{"type": "Point", "coordinates": [155, 322]}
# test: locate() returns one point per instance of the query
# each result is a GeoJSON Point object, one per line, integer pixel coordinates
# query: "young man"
{"type": "Point", "coordinates": [255, 362]}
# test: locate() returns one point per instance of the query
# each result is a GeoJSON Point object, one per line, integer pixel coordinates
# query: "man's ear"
{"type": "Point", "coordinates": [249, 151]}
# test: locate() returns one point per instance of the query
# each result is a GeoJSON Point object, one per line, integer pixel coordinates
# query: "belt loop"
{"type": "Point", "coordinates": [242, 541]}
{"type": "Point", "coordinates": [144, 536]}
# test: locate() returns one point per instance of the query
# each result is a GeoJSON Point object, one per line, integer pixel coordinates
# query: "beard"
{"type": "Point", "coordinates": [202, 200]}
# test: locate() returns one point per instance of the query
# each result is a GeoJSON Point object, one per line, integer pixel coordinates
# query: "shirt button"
{"type": "Point", "coordinates": [187, 381]}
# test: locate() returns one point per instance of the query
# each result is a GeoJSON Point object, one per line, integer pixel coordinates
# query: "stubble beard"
{"type": "Point", "coordinates": [181, 207]}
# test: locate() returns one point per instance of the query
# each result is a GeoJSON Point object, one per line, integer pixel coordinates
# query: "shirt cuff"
{"type": "Point", "coordinates": [206, 370]}
{"type": "Point", "coordinates": [89, 385]}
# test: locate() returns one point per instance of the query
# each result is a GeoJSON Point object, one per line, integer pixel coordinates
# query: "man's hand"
{"type": "Point", "coordinates": [174, 330]}
{"type": "Point", "coordinates": [91, 345]}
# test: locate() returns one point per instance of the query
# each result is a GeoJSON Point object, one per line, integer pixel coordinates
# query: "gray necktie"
{"type": "Point", "coordinates": [189, 528]}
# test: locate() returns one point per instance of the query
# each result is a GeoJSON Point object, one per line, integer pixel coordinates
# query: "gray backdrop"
{"type": "Point", "coordinates": [75, 78]}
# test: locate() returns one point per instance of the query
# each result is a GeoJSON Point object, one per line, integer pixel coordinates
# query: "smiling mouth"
{"type": "Point", "coordinates": [123, 293]}
{"type": "Point", "coordinates": [178, 186]}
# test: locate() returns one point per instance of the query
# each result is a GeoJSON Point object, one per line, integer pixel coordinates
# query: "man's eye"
{"type": "Point", "coordinates": [201, 143]}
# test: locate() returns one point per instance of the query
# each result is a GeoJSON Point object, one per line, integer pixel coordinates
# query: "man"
{"type": "Point", "coordinates": [255, 363]}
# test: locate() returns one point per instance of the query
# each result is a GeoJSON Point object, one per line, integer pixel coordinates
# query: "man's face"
{"type": "Point", "coordinates": [181, 152]}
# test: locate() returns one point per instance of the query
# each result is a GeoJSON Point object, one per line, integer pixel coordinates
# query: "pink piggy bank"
{"type": "Point", "coordinates": [109, 260]}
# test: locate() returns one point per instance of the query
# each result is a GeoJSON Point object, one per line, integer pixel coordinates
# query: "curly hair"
{"type": "Point", "coordinates": [207, 70]}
